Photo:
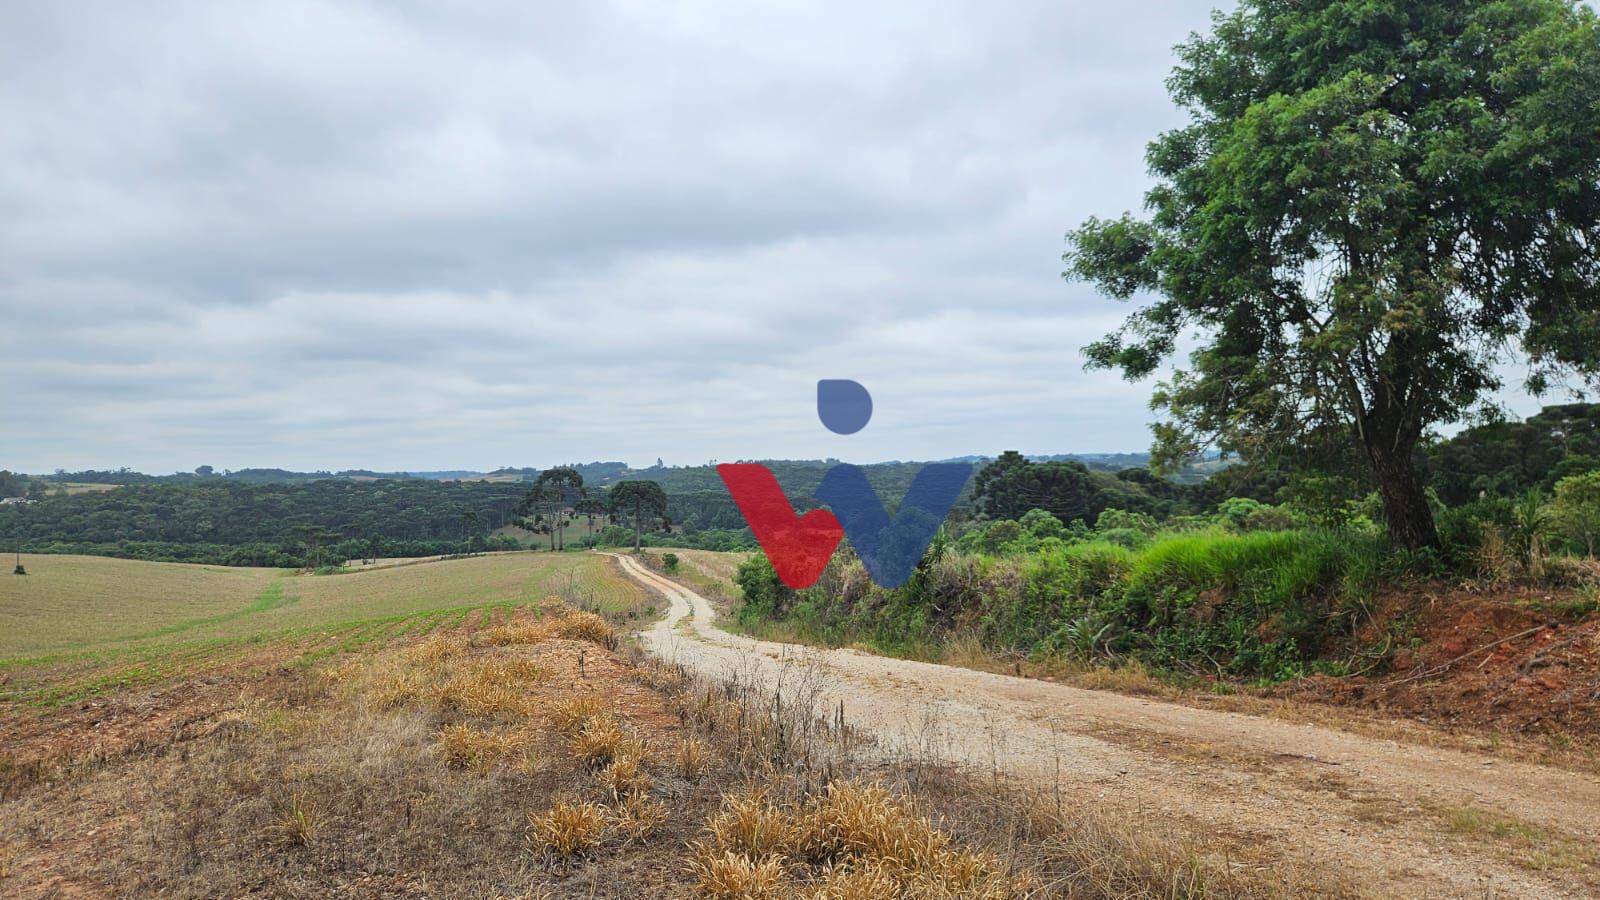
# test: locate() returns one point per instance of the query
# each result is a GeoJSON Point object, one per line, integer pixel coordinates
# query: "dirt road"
{"type": "Point", "coordinates": [1399, 819]}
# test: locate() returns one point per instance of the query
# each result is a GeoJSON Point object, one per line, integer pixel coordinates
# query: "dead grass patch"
{"type": "Point", "coordinates": [601, 741]}
{"type": "Point", "coordinates": [558, 622]}
{"type": "Point", "coordinates": [691, 759]}
{"type": "Point", "coordinates": [297, 821]}
{"type": "Point", "coordinates": [570, 714]}
{"type": "Point", "coordinates": [468, 747]}
{"type": "Point", "coordinates": [637, 818]}
{"type": "Point", "coordinates": [730, 876]}
{"type": "Point", "coordinates": [642, 785]}
{"type": "Point", "coordinates": [624, 777]}
{"type": "Point", "coordinates": [567, 829]}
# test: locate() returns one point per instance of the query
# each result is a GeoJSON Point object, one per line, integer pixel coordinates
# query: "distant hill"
{"type": "Point", "coordinates": [801, 472]}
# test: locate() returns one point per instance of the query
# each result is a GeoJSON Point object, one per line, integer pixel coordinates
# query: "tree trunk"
{"type": "Point", "coordinates": [638, 513]}
{"type": "Point", "coordinates": [1405, 503]}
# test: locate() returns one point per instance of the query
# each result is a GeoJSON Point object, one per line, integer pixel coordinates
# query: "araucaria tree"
{"type": "Point", "coordinates": [1376, 205]}
{"type": "Point", "coordinates": [556, 489]}
{"type": "Point", "coordinates": [643, 500]}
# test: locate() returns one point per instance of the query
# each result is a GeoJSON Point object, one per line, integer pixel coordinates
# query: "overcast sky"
{"type": "Point", "coordinates": [327, 236]}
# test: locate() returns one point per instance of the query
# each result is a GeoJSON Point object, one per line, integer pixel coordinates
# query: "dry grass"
{"type": "Point", "coordinates": [624, 777]}
{"type": "Point", "coordinates": [691, 759]}
{"type": "Point", "coordinates": [436, 649]}
{"type": "Point", "coordinates": [468, 747]}
{"type": "Point", "coordinates": [852, 837]}
{"type": "Point", "coordinates": [637, 818]}
{"type": "Point", "coordinates": [750, 826]}
{"type": "Point", "coordinates": [576, 626]}
{"type": "Point", "coordinates": [570, 714]}
{"type": "Point", "coordinates": [855, 882]}
{"type": "Point", "coordinates": [600, 741]}
{"type": "Point", "coordinates": [730, 876]}
{"type": "Point", "coordinates": [363, 778]}
{"type": "Point", "coordinates": [497, 688]}
{"type": "Point", "coordinates": [568, 829]}
{"type": "Point", "coordinates": [297, 821]}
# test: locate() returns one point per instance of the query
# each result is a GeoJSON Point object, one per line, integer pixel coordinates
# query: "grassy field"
{"type": "Point", "coordinates": [526, 758]}
{"type": "Point", "coordinates": [473, 727]}
{"type": "Point", "coordinates": [76, 602]}
{"type": "Point", "coordinates": [77, 626]}
{"type": "Point", "coordinates": [709, 572]}
{"type": "Point", "coordinates": [73, 487]}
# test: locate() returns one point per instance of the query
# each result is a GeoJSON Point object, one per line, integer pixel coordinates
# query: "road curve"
{"type": "Point", "coordinates": [1375, 812]}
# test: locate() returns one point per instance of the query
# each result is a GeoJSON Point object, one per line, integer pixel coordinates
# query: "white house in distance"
{"type": "Point", "coordinates": [8, 501]}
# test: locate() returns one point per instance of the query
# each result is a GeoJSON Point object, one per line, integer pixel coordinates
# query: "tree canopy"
{"type": "Point", "coordinates": [556, 489]}
{"type": "Point", "coordinates": [1012, 485]}
{"type": "Point", "coordinates": [643, 500]}
{"type": "Point", "coordinates": [1375, 204]}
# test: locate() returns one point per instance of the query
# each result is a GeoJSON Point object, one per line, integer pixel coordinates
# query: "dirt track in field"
{"type": "Point", "coordinates": [1392, 818]}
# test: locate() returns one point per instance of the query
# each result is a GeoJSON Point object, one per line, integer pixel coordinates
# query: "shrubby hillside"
{"type": "Point", "coordinates": [1253, 574]}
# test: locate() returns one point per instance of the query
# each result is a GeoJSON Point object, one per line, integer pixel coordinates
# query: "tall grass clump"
{"type": "Point", "coordinates": [1261, 603]}
{"type": "Point", "coordinates": [1208, 602]}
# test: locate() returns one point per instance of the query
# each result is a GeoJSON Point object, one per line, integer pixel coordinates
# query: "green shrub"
{"type": "Point", "coordinates": [1041, 524]}
{"type": "Point", "coordinates": [1122, 520]}
{"type": "Point", "coordinates": [765, 596]}
{"type": "Point", "coordinates": [1258, 604]}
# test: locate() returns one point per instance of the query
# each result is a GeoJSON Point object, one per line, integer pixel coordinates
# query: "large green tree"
{"type": "Point", "coordinates": [1012, 485]}
{"type": "Point", "coordinates": [644, 500]}
{"type": "Point", "coordinates": [556, 489]}
{"type": "Point", "coordinates": [1375, 204]}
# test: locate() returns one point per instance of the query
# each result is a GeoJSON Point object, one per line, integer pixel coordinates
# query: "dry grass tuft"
{"type": "Point", "coordinates": [866, 844]}
{"type": "Point", "coordinates": [637, 818]}
{"type": "Point", "coordinates": [515, 633]}
{"type": "Point", "coordinates": [624, 777]}
{"type": "Point", "coordinates": [569, 829]}
{"type": "Point", "coordinates": [855, 882]}
{"type": "Point", "coordinates": [395, 690]}
{"type": "Point", "coordinates": [750, 826]}
{"type": "Point", "coordinates": [601, 740]}
{"type": "Point", "coordinates": [570, 715]}
{"type": "Point", "coordinates": [481, 692]}
{"type": "Point", "coordinates": [509, 671]}
{"type": "Point", "coordinates": [297, 822]}
{"type": "Point", "coordinates": [729, 876]}
{"type": "Point", "coordinates": [472, 748]}
{"type": "Point", "coordinates": [585, 626]}
{"type": "Point", "coordinates": [436, 649]}
{"type": "Point", "coordinates": [692, 758]}
{"type": "Point", "coordinates": [556, 621]}
{"type": "Point", "coordinates": [863, 822]}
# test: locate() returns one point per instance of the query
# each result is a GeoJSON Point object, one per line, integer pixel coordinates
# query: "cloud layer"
{"type": "Point", "coordinates": [315, 235]}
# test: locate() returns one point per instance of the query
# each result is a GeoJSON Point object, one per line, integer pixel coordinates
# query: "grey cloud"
{"type": "Point", "coordinates": [392, 236]}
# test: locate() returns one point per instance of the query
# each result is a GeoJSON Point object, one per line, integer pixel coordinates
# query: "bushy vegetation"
{"type": "Point", "coordinates": [1212, 601]}
{"type": "Point", "coordinates": [1253, 589]}
{"type": "Point", "coordinates": [1246, 589]}
{"type": "Point", "coordinates": [233, 523]}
